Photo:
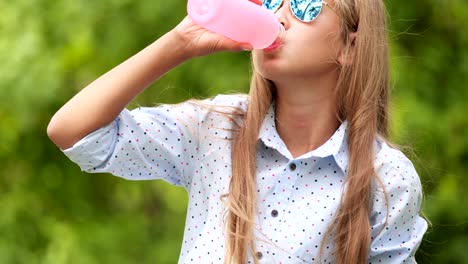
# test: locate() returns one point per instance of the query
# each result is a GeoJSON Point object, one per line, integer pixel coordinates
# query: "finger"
{"type": "Point", "coordinates": [236, 46]}
{"type": "Point", "coordinates": [245, 46]}
{"type": "Point", "coordinates": [240, 47]}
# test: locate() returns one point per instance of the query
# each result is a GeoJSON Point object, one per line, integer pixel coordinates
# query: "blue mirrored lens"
{"type": "Point", "coordinates": [306, 10]}
{"type": "Point", "coordinates": [272, 5]}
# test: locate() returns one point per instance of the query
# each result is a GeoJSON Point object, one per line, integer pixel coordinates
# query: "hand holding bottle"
{"type": "Point", "coordinates": [200, 41]}
{"type": "Point", "coordinates": [240, 20]}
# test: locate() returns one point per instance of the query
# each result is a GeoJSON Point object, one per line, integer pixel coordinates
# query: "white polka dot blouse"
{"type": "Point", "coordinates": [188, 145]}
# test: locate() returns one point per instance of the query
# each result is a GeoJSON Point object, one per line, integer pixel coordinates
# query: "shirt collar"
{"type": "Point", "coordinates": [336, 146]}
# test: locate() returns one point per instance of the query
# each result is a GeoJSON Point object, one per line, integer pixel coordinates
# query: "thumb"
{"type": "Point", "coordinates": [228, 44]}
{"type": "Point", "coordinates": [246, 46]}
{"type": "Point", "coordinates": [236, 46]}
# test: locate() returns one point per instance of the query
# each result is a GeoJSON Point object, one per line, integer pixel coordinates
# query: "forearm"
{"type": "Point", "coordinates": [102, 100]}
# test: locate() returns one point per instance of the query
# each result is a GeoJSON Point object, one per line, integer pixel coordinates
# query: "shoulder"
{"type": "Point", "coordinates": [222, 108]}
{"type": "Point", "coordinates": [239, 101]}
{"type": "Point", "coordinates": [397, 228]}
{"type": "Point", "coordinates": [395, 170]}
{"type": "Point", "coordinates": [236, 102]}
{"type": "Point", "coordinates": [219, 116]}
{"type": "Point", "coordinates": [195, 111]}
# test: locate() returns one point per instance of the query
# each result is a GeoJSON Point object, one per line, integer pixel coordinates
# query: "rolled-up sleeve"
{"type": "Point", "coordinates": [141, 144]}
{"type": "Point", "coordinates": [396, 239]}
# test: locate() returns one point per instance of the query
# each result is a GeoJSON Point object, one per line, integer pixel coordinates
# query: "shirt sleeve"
{"type": "Point", "coordinates": [144, 143]}
{"type": "Point", "coordinates": [397, 240]}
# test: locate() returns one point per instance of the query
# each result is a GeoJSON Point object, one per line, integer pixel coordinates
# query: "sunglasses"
{"type": "Point", "coordinates": [304, 10]}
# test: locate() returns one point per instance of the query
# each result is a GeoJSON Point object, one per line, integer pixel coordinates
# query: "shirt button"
{"type": "Point", "coordinates": [259, 255]}
{"type": "Point", "coordinates": [292, 166]}
{"type": "Point", "coordinates": [274, 213]}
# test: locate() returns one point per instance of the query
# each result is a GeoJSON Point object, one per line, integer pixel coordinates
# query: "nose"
{"type": "Point", "coordinates": [282, 13]}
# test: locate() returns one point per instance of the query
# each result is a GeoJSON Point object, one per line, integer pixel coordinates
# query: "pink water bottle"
{"type": "Point", "coordinates": [240, 20]}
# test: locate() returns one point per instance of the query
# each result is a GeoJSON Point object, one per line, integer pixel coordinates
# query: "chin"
{"type": "Point", "coordinates": [269, 66]}
{"type": "Point", "coordinates": [269, 73]}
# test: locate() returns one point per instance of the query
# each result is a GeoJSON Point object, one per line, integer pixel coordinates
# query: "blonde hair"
{"type": "Point", "coordinates": [362, 99]}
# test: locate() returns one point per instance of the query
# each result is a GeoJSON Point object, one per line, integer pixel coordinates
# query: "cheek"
{"type": "Point", "coordinates": [313, 49]}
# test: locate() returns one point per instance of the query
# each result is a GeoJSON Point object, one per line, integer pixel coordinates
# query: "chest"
{"type": "Point", "coordinates": [296, 200]}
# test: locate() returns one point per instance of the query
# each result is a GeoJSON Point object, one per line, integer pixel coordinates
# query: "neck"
{"type": "Point", "coordinates": [306, 113]}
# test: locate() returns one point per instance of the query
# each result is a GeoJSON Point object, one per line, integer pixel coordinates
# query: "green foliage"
{"type": "Point", "coordinates": [54, 213]}
{"type": "Point", "coordinates": [430, 95]}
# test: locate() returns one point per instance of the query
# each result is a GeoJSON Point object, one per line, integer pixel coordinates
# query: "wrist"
{"type": "Point", "coordinates": [178, 45]}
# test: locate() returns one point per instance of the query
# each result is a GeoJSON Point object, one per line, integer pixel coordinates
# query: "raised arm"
{"type": "Point", "coordinates": [102, 100]}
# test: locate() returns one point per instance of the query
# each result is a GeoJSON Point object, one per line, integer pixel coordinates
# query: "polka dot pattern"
{"type": "Point", "coordinates": [188, 146]}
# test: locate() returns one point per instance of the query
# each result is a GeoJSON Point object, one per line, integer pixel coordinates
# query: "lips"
{"type": "Point", "coordinates": [277, 44]}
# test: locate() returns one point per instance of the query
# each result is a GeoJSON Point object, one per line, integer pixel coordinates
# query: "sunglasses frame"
{"type": "Point", "coordinates": [292, 11]}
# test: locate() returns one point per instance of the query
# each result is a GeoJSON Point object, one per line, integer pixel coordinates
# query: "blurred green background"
{"type": "Point", "coordinates": [51, 212]}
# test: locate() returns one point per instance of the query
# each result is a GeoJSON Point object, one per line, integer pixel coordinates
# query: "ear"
{"type": "Point", "coordinates": [346, 58]}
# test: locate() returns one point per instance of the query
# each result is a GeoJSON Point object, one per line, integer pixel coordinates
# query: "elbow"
{"type": "Point", "coordinates": [57, 135]}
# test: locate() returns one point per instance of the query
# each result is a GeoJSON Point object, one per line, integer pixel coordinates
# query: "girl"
{"type": "Point", "coordinates": [298, 171]}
